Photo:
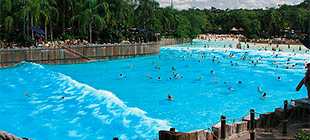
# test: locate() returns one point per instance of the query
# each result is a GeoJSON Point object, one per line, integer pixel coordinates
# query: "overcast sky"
{"type": "Point", "coordinates": [224, 4]}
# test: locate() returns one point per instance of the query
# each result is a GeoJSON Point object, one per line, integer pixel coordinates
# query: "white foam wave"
{"type": "Point", "coordinates": [101, 104]}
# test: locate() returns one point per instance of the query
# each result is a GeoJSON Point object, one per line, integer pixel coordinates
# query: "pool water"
{"type": "Point", "coordinates": [99, 104]}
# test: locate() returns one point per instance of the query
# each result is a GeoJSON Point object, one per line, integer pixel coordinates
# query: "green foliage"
{"type": "Point", "coordinates": [302, 135]}
{"type": "Point", "coordinates": [65, 36]}
{"type": "Point", "coordinates": [112, 20]}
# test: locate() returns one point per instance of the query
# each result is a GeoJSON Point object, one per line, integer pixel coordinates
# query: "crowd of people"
{"type": "Point", "coordinates": [227, 55]}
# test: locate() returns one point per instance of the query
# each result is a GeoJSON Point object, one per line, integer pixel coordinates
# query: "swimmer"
{"type": "Point", "coordinates": [121, 75]}
{"type": "Point", "coordinates": [231, 89]}
{"type": "Point", "coordinates": [292, 102]}
{"type": "Point", "coordinates": [265, 95]}
{"type": "Point", "coordinates": [27, 95]}
{"type": "Point", "coordinates": [173, 68]}
{"type": "Point", "coordinates": [200, 78]}
{"type": "Point", "coordinates": [212, 72]}
{"type": "Point", "coordinates": [181, 77]}
{"type": "Point", "coordinates": [153, 62]}
{"type": "Point", "coordinates": [159, 78]}
{"type": "Point", "coordinates": [279, 78]}
{"type": "Point", "coordinates": [215, 80]}
{"type": "Point", "coordinates": [148, 76]}
{"type": "Point", "coordinates": [240, 82]}
{"type": "Point", "coordinates": [169, 97]}
{"type": "Point", "coordinates": [62, 97]}
{"type": "Point", "coordinates": [259, 90]}
{"type": "Point", "coordinates": [130, 66]}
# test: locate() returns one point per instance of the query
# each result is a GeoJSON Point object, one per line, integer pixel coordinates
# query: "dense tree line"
{"type": "Point", "coordinates": [115, 20]}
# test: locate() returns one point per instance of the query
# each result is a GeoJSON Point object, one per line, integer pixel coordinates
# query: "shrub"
{"type": "Point", "coordinates": [302, 135]}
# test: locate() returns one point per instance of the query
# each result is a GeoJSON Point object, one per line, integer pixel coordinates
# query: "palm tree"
{"type": "Point", "coordinates": [119, 17]}
{"type": "Point", "coordinates": [49, 11]}
{"type": "Point", "coordinates": [37, 10]}
{"type": "Point", "coordinates": [8, 20]}
{"type": "Point", "coordinates": [89, 13]}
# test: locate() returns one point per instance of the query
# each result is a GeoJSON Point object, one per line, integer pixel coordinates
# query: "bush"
{"type": "Point", "coordinates": [253, 36]}
{"type": "Point", "coordinates": [302, 135]}
{"type": "Point", "coordinates": [64, 37]}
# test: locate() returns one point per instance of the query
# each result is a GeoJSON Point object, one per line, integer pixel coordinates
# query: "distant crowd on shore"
{"type": "Point", "coordinates": [53, 44]}
{"type": "Point", "coordinates": [220, 37]}
{"type": "Point", "coordinates": [244, 39]}
{"type": "Point", "coordinates": [39, 44]}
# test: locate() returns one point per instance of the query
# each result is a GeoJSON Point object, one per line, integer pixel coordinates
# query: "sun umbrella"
{"type": "Point", "coordinates": [38, 30]}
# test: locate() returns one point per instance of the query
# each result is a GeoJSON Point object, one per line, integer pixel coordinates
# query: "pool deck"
{"type": "Point", "coordinates": [294, 126]}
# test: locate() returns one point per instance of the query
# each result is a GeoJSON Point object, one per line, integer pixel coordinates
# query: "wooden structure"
{"type": "Point", "coordinates": [223, 130]}
{"type": "Point", "coordinates": [69, 54]}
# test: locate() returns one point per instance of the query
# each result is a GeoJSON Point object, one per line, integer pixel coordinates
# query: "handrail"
{"type": "Point", "coordinates": [75, 52]}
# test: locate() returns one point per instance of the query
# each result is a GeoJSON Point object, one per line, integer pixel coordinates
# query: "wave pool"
{"type": "Point", "coordinates": [99, 104]}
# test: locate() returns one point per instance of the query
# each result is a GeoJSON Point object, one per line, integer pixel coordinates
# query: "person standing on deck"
{"type": "Point", "coordinates": [307, 80]}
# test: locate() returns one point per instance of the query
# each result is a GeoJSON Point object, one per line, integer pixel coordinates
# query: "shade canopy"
{"type": "Point", "coordinates": [234, 29]}
{"type": "Point", "coordinates": [241, 29]}
{"type": "Point", "coordinates": [38, 30]}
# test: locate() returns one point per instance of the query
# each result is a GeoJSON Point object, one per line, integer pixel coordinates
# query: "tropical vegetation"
{"type": "Point", "coordinates": [112, 21]}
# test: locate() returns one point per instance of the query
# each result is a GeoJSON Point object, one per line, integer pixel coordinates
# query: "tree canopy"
{"type": "Point", "coordinates": [111, 21]}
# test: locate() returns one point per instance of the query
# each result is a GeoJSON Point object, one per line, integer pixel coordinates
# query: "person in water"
{"type": "Point", "coordinates": [169, 97]}
{"type": "Point", "coordinates": [292, 102]}
{"type": "Point", "coordinates": [215, 80]}
{"type": "Point", "coordinates": [230, 88]}
{"type": "Point", "coordinates": [265, 95]}
{"type": "Point", "coordinates": [212, 72]}
{"type": "Point", "coordinates": [279, 78]}
{"type": "Point", "coordinates": [27, 95]}
{"type": "Point", "coordinates": [121, 75]}
{"type": "Point", "coordinates": [307, 80]}
{"type": "Point", "coordinates": [259, 90]}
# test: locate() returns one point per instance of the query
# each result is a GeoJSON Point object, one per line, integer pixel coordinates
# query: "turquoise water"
{"type": "Point", "coordinates": [99, 104]}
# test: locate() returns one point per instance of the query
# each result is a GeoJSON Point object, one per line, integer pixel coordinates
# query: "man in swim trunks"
{"type": "Point", "coordinates": [307, 80]}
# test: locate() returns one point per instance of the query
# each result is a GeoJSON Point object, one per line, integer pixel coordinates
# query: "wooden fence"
{"type": "Point", "coordinates": [75, 54]}
{"type": "Point", "coordinates": [69, 54]}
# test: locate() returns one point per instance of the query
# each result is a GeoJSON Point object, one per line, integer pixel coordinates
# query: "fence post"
{"type": "Point", "coordinates": [252, 120]}
{"type": "Point", "coordinates": [223, 127]}
{"type": "Point", "coordinates": [284, 129]}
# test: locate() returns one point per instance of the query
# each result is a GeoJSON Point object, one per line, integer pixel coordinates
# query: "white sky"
{"type": "Point", "coordinates": [224, 4]}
